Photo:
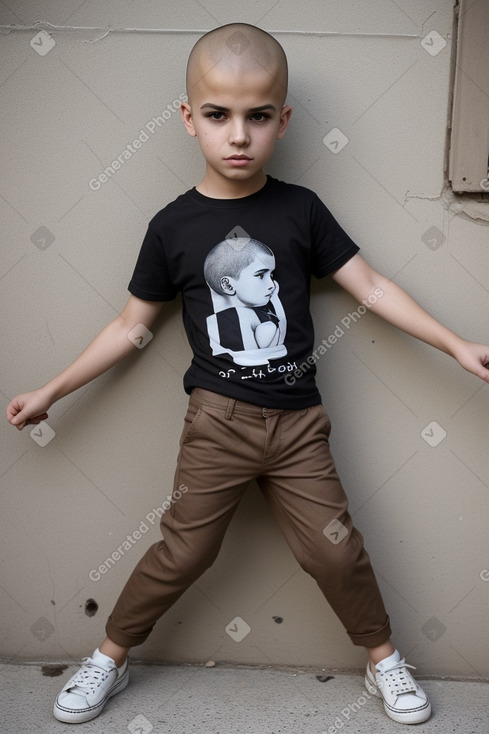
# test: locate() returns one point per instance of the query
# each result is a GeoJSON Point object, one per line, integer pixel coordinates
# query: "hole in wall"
{"type": "Point", "coordinates": [91, 607]}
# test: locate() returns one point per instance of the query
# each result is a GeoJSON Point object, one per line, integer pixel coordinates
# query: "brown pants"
{"type": "Point", "coordinates": [224, 445]}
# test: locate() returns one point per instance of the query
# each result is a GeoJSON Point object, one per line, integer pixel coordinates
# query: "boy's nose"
{"type": "Point", "coordinates": [238, 134]}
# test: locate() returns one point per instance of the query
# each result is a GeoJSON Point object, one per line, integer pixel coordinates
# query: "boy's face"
{"type": "Point", "coordinates": [255, 284]}
{"type": "Point", "coordinates": [237, 115]}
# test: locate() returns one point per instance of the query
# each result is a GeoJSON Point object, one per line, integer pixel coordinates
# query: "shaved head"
{"type": "Point", "coordinates": [240, 49]}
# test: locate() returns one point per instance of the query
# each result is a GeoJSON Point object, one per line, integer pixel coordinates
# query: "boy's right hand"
{"type": "Point", "coordinates": [27, 409]}
{"type": "Point", "coordinates": [108, 348]}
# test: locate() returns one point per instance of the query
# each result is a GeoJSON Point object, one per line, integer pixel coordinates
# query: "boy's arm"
{"type": "Point", "coordinates": [108, 348]}
{"type": "Point", "coordinates": [394, 305]}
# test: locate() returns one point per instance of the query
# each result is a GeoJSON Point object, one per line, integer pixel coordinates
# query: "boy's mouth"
{"type": "Point", "coordinates": [238, 160]}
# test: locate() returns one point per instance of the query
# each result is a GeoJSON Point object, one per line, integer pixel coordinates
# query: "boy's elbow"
{"type": "Point", "coordinates": [133, 333]}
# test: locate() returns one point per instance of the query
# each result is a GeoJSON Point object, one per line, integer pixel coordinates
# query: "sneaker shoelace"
{"type": "Point", "coordinates": [89, 677]}
{"type": "Point", "coordinates": [398, 679]}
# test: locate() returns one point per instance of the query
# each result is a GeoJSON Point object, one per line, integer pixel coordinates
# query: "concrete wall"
{"type": "Point", "coordinates": [72, 100]}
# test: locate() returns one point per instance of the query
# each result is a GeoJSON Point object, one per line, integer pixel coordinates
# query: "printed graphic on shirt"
{"type": "Point", "coordinates": [248, 322]}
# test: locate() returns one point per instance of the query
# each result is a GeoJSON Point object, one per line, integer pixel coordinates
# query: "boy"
{"type": "Point", "coordinates": [246, 422]}
{"type": "Point", "coordinates": [249, 321]}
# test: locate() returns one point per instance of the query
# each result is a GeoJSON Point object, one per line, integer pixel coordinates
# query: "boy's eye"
{"type": "Point", "coordinates": [255, 117]}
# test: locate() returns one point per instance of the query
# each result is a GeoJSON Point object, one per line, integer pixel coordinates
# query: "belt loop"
{"type": "Point", "coordinates": [230, 409]}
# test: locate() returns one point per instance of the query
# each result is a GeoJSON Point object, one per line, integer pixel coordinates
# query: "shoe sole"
{"type": "Point", "coordinates": [77, 716]}
{"type": "Point", "coordinates": [416, 716]}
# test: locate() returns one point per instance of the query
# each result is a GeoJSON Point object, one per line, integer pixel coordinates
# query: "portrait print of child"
{"type": "Point", "coordinates": [249, 321]}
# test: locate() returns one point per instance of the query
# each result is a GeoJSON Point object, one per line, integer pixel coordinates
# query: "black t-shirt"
{"type": "Point", "coordinates": [244, 267]}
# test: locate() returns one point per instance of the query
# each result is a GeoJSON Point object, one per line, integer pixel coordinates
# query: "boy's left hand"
{"type": "Point", "coordinates": [474, 358]}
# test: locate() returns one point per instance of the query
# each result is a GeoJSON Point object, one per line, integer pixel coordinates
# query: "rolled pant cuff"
{"type": "Point", "coordinates": [123, 638]}
{"type": "Point", "coordinates": [373, 639]}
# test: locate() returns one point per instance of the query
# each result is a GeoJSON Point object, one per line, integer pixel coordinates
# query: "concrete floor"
{"type": "Point", "coordinates": [177, 699]}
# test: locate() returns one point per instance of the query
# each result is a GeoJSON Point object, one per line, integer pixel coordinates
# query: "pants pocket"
{"type": "Point", "coordinates": [192, 421]}
{"type": "Point", "coordinates": [324, 422]}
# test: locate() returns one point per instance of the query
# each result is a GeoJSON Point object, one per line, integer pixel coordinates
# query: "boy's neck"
{"type": "Point", "coordinates": [219, 188]}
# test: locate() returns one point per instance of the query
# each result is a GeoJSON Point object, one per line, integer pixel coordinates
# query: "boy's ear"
{"type": "Point", "coordinates": [285, 114]}
{"type": "Point", "coordinates": [186, 112]}
{"type": "Point", "coordinates": [227, 286]}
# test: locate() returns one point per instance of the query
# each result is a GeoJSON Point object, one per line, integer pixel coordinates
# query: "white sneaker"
{"type": "Point", "coordinates": [404, 700]}
{"type": "Point", "coordinates": [87, 692]}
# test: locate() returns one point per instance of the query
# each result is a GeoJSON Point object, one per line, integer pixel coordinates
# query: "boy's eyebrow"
{"type": "Point", "coordinates": [261, 108]}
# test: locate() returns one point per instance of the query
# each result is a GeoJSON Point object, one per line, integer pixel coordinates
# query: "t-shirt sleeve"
{"type": "Point", "coordinates": [332, 247]}
{"type": "Point", "coordinates": [151, 280]}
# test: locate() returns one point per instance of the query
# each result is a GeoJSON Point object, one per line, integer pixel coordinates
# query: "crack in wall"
{"type": "Point", "coordinates": [468, 206]}
{"type": "Point", "coordinates": [45, 25]}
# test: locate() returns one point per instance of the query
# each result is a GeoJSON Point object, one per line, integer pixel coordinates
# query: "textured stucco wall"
{"type": "Point", "coordinates": [71, 102]}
